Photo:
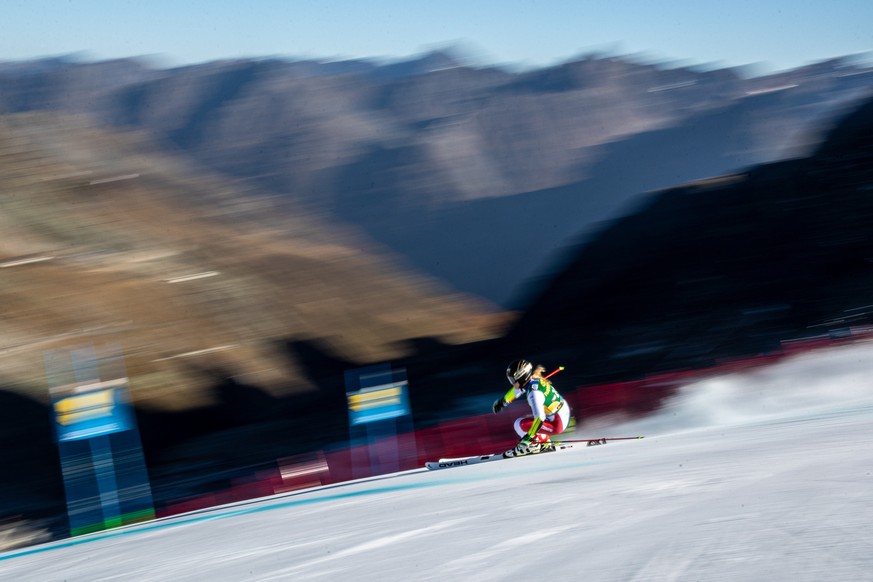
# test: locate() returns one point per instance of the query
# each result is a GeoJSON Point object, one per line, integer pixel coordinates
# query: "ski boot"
{"type": "Point", "coordinates": [546, 445]}
{"type": "Point", "coordinates": [524, 447]}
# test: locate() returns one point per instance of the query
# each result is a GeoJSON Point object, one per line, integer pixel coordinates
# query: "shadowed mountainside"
{"type": "Point", "coordinates": [718, 268]}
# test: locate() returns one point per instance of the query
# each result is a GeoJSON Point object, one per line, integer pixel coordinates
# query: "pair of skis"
{"type": "Point", "coordinates": [559, 446]}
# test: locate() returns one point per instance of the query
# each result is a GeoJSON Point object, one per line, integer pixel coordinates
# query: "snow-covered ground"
{"type": "Point", "coordinates": [766, 475]}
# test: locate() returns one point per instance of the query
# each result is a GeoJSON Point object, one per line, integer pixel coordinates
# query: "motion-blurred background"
{"type": "Point", "coordinates": [245, 230]}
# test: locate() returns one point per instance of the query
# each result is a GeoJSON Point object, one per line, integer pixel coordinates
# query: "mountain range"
{"type": "Point", "coordinates": [433, 157]}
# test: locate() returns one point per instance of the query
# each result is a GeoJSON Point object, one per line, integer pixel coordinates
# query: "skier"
{"type": "Point", "coordinates": [551, 413]}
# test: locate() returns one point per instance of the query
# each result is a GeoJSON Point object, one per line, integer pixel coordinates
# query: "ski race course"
{"type": "Point", "coordinates": [761, 475]}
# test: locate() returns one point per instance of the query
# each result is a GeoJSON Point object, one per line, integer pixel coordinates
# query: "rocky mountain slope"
{"type": "Point", "coordinates": [104, 240]}
{"type": "Point", "coordinates": [435, 155]}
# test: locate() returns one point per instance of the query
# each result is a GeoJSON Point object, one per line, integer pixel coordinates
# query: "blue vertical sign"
{"type": "Point", "coordinates": [378, 401]}
{"type": "Point", "coordinates": [105, 477]}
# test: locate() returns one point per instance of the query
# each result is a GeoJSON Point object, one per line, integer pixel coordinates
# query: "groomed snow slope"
{"type": "Point", "coordinates": [766, 475]}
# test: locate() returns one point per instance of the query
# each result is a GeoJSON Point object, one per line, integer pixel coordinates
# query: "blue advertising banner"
{"type": "Point", "coordinates": [378, 403]}
{"type": "Point", "coordinates": [90, 410]}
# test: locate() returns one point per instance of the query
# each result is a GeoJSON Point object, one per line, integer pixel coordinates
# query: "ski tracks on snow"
{"type": "Point", "coordinates": [384, 541]}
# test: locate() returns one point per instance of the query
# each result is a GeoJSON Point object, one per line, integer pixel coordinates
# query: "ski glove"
{"type": "Point", "coordinates": [498, 405]}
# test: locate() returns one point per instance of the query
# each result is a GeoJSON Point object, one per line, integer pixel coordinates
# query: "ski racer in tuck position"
{"type": "Point", "coordinates": [551, 413]}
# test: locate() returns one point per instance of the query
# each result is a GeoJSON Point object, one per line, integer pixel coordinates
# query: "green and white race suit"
{"type": "Point", "coordinates": [551, 413]}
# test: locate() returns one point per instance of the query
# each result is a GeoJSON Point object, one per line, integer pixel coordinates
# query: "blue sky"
{"type": "Point", "coordinates": [775, 34]}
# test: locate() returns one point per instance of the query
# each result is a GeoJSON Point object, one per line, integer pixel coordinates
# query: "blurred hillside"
{"type": "Point", "coordinates": [220, 301]}
{"type": "Point", "coordinates": [106, 241]}
{"type": "Point", "coordinates": [434, 157]}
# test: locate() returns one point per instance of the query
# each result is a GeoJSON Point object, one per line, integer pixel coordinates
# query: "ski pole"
{"type": "Point", "coordinates": [555, 371]}
{"type": "Point", "coordinates": [601, 440]}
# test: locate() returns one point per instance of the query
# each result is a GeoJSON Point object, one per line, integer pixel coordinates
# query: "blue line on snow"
{"type": "Point", "coordinates": [173, 522]}
{"type": "Point", "coordinates": [258, 505]}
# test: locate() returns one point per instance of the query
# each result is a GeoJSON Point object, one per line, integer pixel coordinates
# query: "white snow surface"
{"type": "Point", "coordinates": [762, 475]}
